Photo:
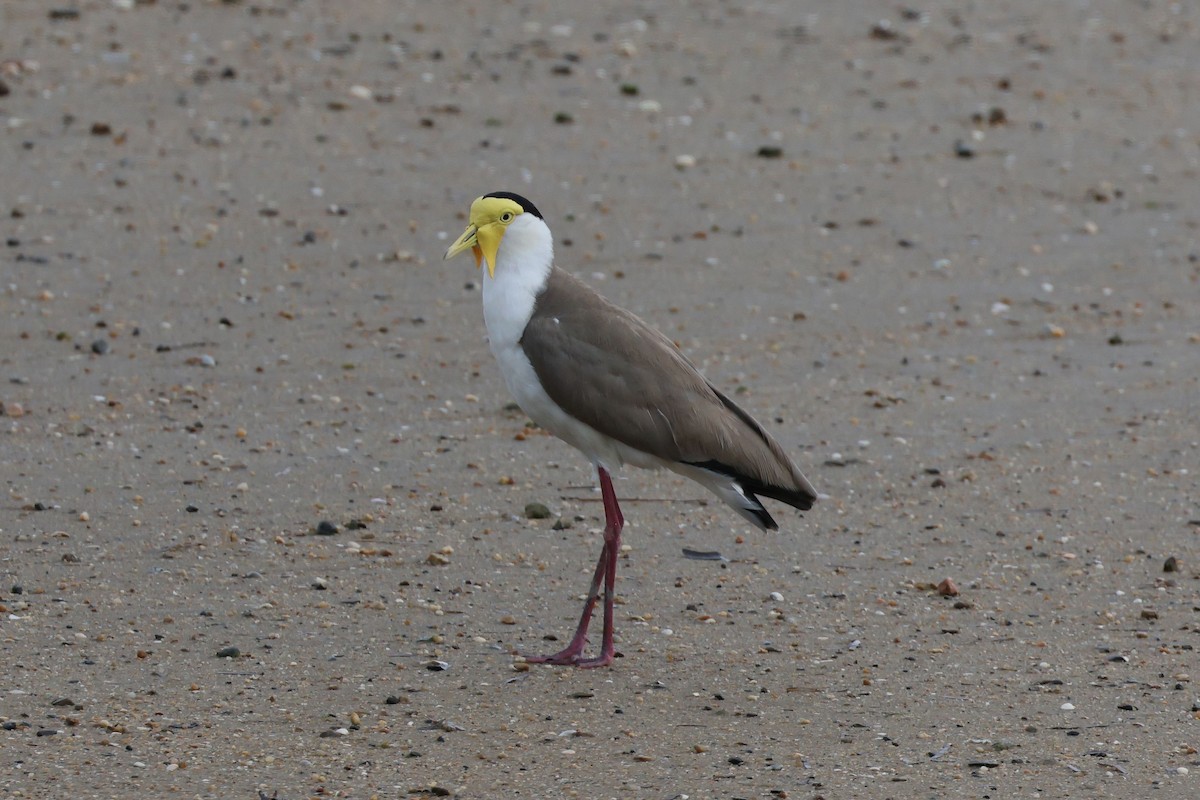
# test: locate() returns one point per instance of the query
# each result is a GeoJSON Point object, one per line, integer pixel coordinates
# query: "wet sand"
{"type": "Point", "coordinates": [949, 255]}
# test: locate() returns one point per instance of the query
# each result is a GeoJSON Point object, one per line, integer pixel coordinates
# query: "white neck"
{"type": "Point", "coordinates": [523, 263]}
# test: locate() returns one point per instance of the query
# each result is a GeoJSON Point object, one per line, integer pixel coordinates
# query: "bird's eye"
{"type": "Point", "coordinates": [507, 216]}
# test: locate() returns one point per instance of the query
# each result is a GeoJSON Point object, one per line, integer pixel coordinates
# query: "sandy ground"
{"type": "Point", "coordinates": [949, 253]}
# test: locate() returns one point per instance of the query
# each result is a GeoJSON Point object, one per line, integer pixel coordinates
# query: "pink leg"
{"type": "Point", "coordinates": [606, 569]}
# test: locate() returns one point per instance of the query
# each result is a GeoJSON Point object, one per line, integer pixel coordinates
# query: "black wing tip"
{"type": "Point", "coordinates": [801, 498]}
{"type": "Point", "coordinates": [529, 207]}
{"type": "Point", "coordinates": [764, 518]}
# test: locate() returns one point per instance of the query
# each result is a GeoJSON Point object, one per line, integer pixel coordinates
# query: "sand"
{"type": "Point", "coordinates": [948, 254]}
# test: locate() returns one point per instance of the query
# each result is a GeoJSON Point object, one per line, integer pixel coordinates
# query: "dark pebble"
{"type": "Point", "coordinates": [536, 511]}
{"type": "Point", "coordinates": [63, 701]}
{"type": "Point", "coordinates": [963, 150]}
{"type": "Point", "coordinates": [326, 528]}
{"type": "Point", "coordinates": [47, 732]}
{"type": "Point", "coordinates": [392, 700]}
{"type": "Point", "coordinates": [1171, 565]}
{"type": "Point", "coordinates": [228, 652]}
{"type": "Point", "coordinates": [100, 347]}
{"type": "Point", "coordinates": [769, 151]}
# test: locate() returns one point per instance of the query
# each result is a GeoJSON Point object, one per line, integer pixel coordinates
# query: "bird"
{"type": "Point", "coordinates": [613, 387]}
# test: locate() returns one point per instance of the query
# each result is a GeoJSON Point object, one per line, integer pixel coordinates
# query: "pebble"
{"type": "Point", "coordinates": [1055, 331]}
{"type": "Point", "coordinates": [326, 528]}
{"type": "Point", "coordinates": [536, 511]}
{"type": "Point", "coordinates": [947, 588]}
{"type": "Point", "coordinates": [685, 161]}
{"type": "Point", "coordinates": [1067, 707]}
{"type": "Point", "coordinates": [334, 732]}
{"type": "Point", "coordinates": [228, 652]}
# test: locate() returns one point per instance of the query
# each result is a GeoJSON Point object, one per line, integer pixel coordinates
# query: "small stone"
{"type": "Point", "coordinates": [947, 588]}
{"type": "Point", "coordinates": [437, 560]}
{"type": "Point", "coordinates": [228, 652]}
{"type": "Point", "coordinates": [560, 524]}
{"type": "Point", "coordinates": [1149, 613]}
{"type": "Point", "coordinates": [1171, 565]}
{"type": "Point", "coordinates": [536, 511]}
{"type": "Point", "coordinates": [47, 732]}
{"type": "Point", "coordinates": [13, 410]}
{"type": "Point", "coordinates": [685, 161]}
{"type": "Point", "coordinates": [1067, 707]}
{"type": "Point", "coordinates": [100, 347]}
{"type": "Point", "coordinates": [326, 528]}
{"type": "Point", "coordinates": [770, 151]}
{"type": "Point", "coordinates": [436, 665]}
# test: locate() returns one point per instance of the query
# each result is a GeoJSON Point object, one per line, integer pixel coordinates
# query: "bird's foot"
{"type": "Point", "coordinates": [573, 657]}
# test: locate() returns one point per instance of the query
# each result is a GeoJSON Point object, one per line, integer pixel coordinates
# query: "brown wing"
{"type": "Point", "coordinates": [609, 369]}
